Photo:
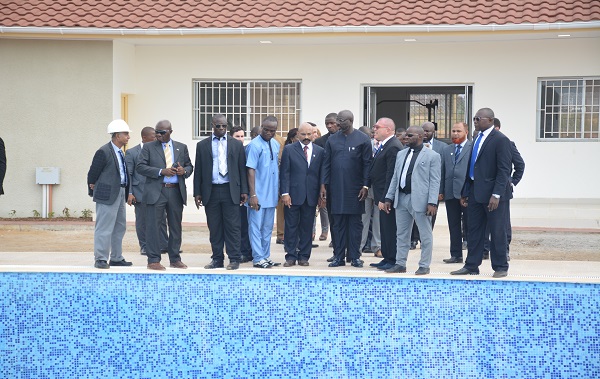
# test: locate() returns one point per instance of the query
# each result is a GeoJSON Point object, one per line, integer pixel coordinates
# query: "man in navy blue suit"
{"type": "Point", "coordinates": [299, 179]}
{"type": "Point", "coordinates": [487, 191]}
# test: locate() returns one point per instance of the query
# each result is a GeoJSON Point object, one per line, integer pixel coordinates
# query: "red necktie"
{"type": "Point", "coordinates": [306, 152]}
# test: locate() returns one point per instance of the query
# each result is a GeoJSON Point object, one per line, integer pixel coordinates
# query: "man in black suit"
{"type": "Point", "coordinates": [2, 166]}
{"type": "Point", "coordinates": [348, 155]}
{"type": "Point", "coordinates": [220, 184]}
{"type": "Point", "coordinates": [108, 184]}
{"type": "Point", "coordinates": [455, 162]}
{"type": "Point", "coordinates": [517, 170]}
{"type": "Point", "coordinates": [299, 179]}
{"type": "Point", "coordinates": [165, 164]}
{"type": "Point", "coordinates": [487, 191]}
{"type": "Point", "coordinates": [380, 176]}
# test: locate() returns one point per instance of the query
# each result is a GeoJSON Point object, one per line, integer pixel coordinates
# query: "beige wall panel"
{"type": "Point", "coordinates": [55, 102]}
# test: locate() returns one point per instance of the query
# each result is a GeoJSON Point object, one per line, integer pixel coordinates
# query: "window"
{"type": "Point", "coordinates": [450, 109]}
{"type": "Point", "coordinates": [246, 104]}
{"type": "Point", "coordinates": [569, 108]}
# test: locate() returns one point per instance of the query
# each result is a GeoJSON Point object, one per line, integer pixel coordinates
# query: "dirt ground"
{"type": "Point", "coordinates": [526, 244]}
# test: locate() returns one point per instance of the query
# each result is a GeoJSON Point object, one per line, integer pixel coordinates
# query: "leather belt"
{"type": "Point", "coordinates": [123, 185]}
{"type": "Point", "coordinates": [170, 185]}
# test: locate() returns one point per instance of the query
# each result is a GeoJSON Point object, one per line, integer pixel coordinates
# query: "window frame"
{"type": "Point", "coordinates": [581, 110]}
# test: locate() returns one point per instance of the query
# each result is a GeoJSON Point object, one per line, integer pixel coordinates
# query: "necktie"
{"type": "Point", "coordinates": [123, 166]}
{"type": "Point", "coordinates": [168, 156]}
{"type": "Point", "coordinates": [222, 156]}
{"type": "Point", "coordinates": [405, 169]}
{"type": "Point", "coordinates": [474, 156]}
{"type": "Point", "coordinates": [378, 150]}
{"type": "Point", "coordinates": [456, 152]}
{"type": "Point", "coordinates": [306, 152]}
{"type": "Point", "coordinates": [376, 147]}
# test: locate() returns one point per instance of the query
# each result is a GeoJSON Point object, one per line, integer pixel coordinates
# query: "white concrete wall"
{"type": "Point", "coordinates": [504, 76]}
{"type": "Point", "coordinates": [55, 104]}
{"type": "Point", "coordinates": [123, 74]}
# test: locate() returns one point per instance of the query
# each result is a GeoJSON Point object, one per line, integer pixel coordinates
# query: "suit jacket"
{"type": "Point", "coordinates": [425, 179]}
{"type": "Point", "coordinates": [2, 166]}
{"type": "Point", "coordinates": [438, 146]}
{"type": "Point", "coordinates": [236, 169]}
{"type": "Point", "coordinates": [136, 179]}
{"type": "Point", "coordinates": [454, 174]}
{"type": "Point", "coordinates": [105, 175]}
{"type": "Point", "coordinates": [152, 160]}
{"type": "Point", "coordinates": [492, 169]}
{"type": "Point", "coordinates": [518, 164]}
{"type": "Point", "coordinates": [300, 181]}
{"type": "Point", "coordinates": [382, 169]}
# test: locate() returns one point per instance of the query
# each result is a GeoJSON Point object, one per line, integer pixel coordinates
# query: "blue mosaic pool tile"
{"type": "Point", "coordinates": [60, 325]}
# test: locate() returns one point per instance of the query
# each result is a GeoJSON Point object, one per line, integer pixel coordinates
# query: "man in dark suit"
{"type": "Point", "coordinates": [2, 166]}
{"type": "Point", "coordinates": [220, 184]}
{"type": "Point", "coordinates": [414, 191]}
{"type": "Point", "coordinates": [348, 156]}
{"type": "Point", "coordinates": [455, 161]}
{"type": "Point", "coordinates": [108, 184]}
{"type": "Point", "coordinates": [487, 191]}
{"type": "Point", "coordinates": [299, 183]}
{"type": "Point", "coordinates": [517, 170]}
{"type": "Point", "coordinates": [380, 176]}
{"type": "Point", "coordinates": [136, 192]}
{"type": "Point", "coordinates": [165, 164]}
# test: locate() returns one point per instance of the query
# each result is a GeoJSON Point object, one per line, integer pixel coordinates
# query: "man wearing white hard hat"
{"type": "Point", "coordinates": [108, 184]}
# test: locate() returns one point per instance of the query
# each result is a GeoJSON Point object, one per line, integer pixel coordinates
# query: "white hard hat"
{"type": "Point", "coordinates": [116, 126]}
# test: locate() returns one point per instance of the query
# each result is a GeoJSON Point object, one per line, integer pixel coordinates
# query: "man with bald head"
{"type": "Point", "coordinates": [221, 186]}
{"type": "Point", "coordinates": [348, 156]}
{"type": "Point", "coordinates": [380, 177]}
{"type": "Point", "coordinates": [487, 192]}
{"type": "Point", "coordinates": [299, 184]}
{"type": "Point", "coordinates": [414, 190]}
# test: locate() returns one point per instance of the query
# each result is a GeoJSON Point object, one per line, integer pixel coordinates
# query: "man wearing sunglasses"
{"type": "Point", "coordinates": [487, 191]}
{"type": "Point", "coordinates": [165, 164]}
{"type": "Point", "coordinates": [221, 186]}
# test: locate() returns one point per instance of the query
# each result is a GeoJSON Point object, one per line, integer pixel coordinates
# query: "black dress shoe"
{"type": "Point", "coordinates": [303, 263]}
{"type": "Point", "coordinates": [315, 245]}
{"type": "Point", "coordinates": [413, 245]}
{"type": "Point", "coordinates": [337, 263]}
{"type": "Point", "coordinates": [289, 263]}
{"type": "Point", "coordinates": [453, 260]}
{"type": "Point", "coordinates": [233, 265]}
{"type": "Point", "coordinates": [101, 264]}
{"type": "Point", "coordinates": [381, 263]}
{"type": "Point", "coordinates": [122, 262]}
{"type": "Point", "coordinates": [331, 259]}
{"type": "Point", "coordinates": [486, 255]}
{"type": "Point", "coordinates": [356, 263]}
{"type": "Point", "coordinates": [500, 274]}
{"type": "Point", "coordinates": [396, 269]}
{"type": "Point", "coordinates": [386, 266]}
{"type": "Point", "coordinates": [464, 271]}
{"type": "Point", "coordinates": [279, 241]}
{"type": "Point", "coordinates": [422, 271]}
{"type": "Point", "coordinates": [245, 259]}
{"type": "Point", "coordinates": [348, 260]}
{"type": "Point", "coordinates": [214, 264]}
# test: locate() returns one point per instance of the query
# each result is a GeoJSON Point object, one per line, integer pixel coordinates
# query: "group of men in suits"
{"type": "Point", "coordinates": [472, 177]}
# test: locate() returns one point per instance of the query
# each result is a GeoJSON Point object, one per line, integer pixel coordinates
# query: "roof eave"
{"type": "Point", "coordinates": [17, 30]}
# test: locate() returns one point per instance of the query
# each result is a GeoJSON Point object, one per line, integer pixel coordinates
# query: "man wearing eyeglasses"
{"type": "Point", "coordinates": [165, 164]}
{"type": "Point", "coordinates": [487, 191]}
{"type": "Point", "coordinates": [348, 156]}
{"type": "Point", "coordinates": [262, 166]}
{"type": "Point", "coordinates": [221, 186]}
{"type": "Point", "coordinates": [414, 191]}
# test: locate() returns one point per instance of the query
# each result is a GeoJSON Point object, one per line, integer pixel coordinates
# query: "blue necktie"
{"type": "Point", "coordinates": [474, 156]}
{"type": "Point", "coordinates": [378, 150]}
{"type": "Point", "coordinates": [123, 166]}
{"type": "Point", "coordinates": [458, 148]}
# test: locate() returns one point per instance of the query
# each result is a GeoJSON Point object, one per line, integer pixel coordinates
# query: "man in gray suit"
{"type": "Point", "coordinates": [414, 192]}
{"type": "Point", "coordinates": [165, 164]}
{"type": "Point", "coordinates": [438, 146]}
{"type": "Point", "coordinates": [455, 162]}
{"type": "Point", "coordinates": [108, 184]}
{"type": "Point", "coordinates": [136, 193]}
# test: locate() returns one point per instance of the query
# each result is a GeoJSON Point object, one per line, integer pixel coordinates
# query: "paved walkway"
{"type": "Point", "coordinates": [520, 270]}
